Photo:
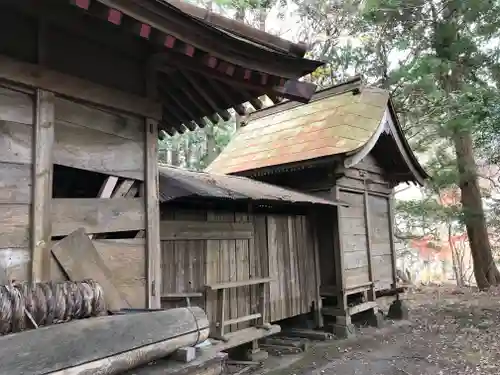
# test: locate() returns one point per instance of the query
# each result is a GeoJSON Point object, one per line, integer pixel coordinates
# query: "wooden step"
{"type": "Point", "coordinates": [352, 310]}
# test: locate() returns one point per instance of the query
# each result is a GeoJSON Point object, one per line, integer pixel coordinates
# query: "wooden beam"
{"type": "Point", "coordinates": [97, 215]}
{"type": "Point", "coordinates": [191, 120]}
{"type": "Point", "coordinates": [172, 230]}
{"type": "Point", "coordinates": [153, 254]}
{"type": "Point", "coordinates": [291, 89]}
{"type": "Point", "coordinates": [223, 113]}
{"type": "Point", "coordinates": [43, 135]}
{"type": "Point", "coordinates": [35, 76]}
{"type": "Point", "coordinates": [296, 90]}
{"type": "Point", "coordinates": [239, 108]}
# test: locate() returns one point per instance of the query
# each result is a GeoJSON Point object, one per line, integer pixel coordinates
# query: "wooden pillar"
{"type": "Point", "coordinates": [391, 239]}
{"type": "Point", "coordinates": [318, 313]}
{"type": "Point", "coordinates": [371, 296]}
{"type": "Point", "coordinates": [153, 257]}
{"type": "Point", "coordinates": [41, 225]}
{"type": "Point", "coordinates": [339, 254]}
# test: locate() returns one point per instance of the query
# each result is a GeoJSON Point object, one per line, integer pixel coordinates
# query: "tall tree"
{"type": "Point", "coordinates": [451, 65]}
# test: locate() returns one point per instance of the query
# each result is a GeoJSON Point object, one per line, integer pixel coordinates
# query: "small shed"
{"type": "Point", "coordinates": [85, 88]}
{"type": "Point", "coordinates": [346, 144]}
{"type": "Point", "coordinates": [244, 250]}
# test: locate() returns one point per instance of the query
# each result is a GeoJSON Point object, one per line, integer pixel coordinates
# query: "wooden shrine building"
{"type": "Point", "coordinates": [85, 88]}
{"type": "Point", "coordinates": [245, 251]}
{"type": "Point", "coordinates": [345, 145]}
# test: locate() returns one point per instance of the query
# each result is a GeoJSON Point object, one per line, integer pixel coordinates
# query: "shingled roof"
{"type": "Point", "coordinates": [347, 120]}
{"type": "Point", "coordinates": [177, 183]}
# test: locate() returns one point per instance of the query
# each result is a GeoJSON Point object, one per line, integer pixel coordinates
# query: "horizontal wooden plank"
{"type": "Point", "coordinates": [14, 224]}
{"type": "Point", "coordinates": [37, 76]}
{"type": "Point", "coordinates": [97, 215]}
{"type": "Point", "coordinates": [15, 183]}
{"type": "Point", "coordinates": [353, 225]}
{"type": "Point", "coordinates": [16, 106]}
{"type": "Point", "coordinates": [203, 230]}
{"type": "Point", "coordinates": [353, 242]}
{"type": "Point", "coordinates": [332, 311]}
{"type": "Point", "coordinates": [93, 150]}
{"type": "Point", "coordinates": [353, 199]}
{"type": "Point", "coordinates": [167, 296]}
{"type": "Point", "coordinates": [355, 259]}
{"type": "Point", "coordinates": [237, 284]}
{"type": "Point", "coordinates": [87, 116]}
{"type": "Point", "coordinates": [346, 182]}
{"type": "Point", "coordinates": [242, 319]}
{"type": "Point", "coordinates": [356, 276]}
{"type": "Point", "coordinates": [383, 248]}
{"type": "Point", "coordinates": [76, 147]}
{"type": "Point", "coordinates": [14, 264]}
{"type": "Point", "coordinates": [15, 142]}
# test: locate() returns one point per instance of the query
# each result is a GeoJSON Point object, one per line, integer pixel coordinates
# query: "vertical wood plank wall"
{"type": "Point", "coordinates": [280, 247]}
{"type": "Point", "coordinates": [354, 230]}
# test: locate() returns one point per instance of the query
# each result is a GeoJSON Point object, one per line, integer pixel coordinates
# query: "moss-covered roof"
{"type": "Point", "coordinates": [329, 126]}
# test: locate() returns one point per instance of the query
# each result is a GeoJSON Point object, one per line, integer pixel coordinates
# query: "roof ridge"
{"type": "Point", "coordinates": [354, 84]}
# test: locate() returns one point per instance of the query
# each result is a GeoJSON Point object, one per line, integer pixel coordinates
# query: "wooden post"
{"type": "Point", "coordinates": [150, 193]}
{"type": "Point", "coordinates": [339, 254]}
{"type": "Point", "coordinates": [371, 296]}
{"type": "Point", "coordinates": [41, 226]}
{"type": "Point", "coordinates": [318, 314]}
{"type": "Point", "coordinates": [153, 257]}
{"type": "Point", "coordinates": [391, 239]}
{"type": "Point", "coordinates": [221, 305]}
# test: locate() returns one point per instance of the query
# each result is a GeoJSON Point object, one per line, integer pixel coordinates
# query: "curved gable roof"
{"type": "Point", "coordinates": [343, 120]}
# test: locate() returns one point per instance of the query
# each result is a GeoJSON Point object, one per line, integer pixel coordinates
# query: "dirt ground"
{"type": "Point", "coordinates": [450, 331]}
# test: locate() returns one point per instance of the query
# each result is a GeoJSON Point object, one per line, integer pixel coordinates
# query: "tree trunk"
{"type": "Point", "coordinates": [447, 33]}
{"type": "Point", "coordinates": [485, 270]}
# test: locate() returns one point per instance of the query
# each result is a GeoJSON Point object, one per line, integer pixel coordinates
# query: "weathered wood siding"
{"type": "Point", "coordinates": [16, 122]}
{"type": "Point", "coordinates": [85, 138]}
{"type": "Point", "coordinates": [292, 264]}
{"type": "Point", "coordinates": [98, 140]}
{"type": "Point", "coordinates": [218, 247]}
{"type": "Point", "coordinates": [358, 240]}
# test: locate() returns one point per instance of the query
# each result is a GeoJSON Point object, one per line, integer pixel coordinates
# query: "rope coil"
{"type": "Point", "coordinates": [24, 305]}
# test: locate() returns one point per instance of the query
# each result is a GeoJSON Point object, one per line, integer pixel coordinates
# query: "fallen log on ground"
{"type": "Point", "coordinates": [102, 346]}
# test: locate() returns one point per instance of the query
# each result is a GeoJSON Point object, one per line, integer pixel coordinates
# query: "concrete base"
{"type": "Point", "coordinates": [398, 311]}
{"type": "Point", "coordinates": [343, 331]}
{"type": "Point", "coordinates": [186, 355]}
{"type": "Point", "coordinates": [256, 355]}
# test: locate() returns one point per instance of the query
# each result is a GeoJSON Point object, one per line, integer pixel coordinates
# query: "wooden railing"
{"type": "Point", "coordinates": [221, 322]}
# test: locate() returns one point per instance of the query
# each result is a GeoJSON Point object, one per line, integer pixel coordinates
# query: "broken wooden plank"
{"type": "Point", "coordinates": [80, 260]}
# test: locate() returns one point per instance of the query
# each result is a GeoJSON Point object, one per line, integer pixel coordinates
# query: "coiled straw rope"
{"type": "Point", "coordinates": [25, 305]}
